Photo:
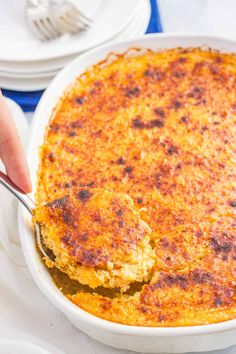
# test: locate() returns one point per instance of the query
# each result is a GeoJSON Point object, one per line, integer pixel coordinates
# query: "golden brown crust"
{"type": "Point", "coordinates": [97, 237]}
{"type": "Point", "coordinates": [161, 128]}
{"type": "Point", "coordinates": [183, 298]}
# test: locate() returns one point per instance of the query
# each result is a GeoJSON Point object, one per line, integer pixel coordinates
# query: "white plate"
{"type": "Point", "coordinates": [46, 66]}
{"type": "Point", "coordinates": [109, 17]}
{"type": "Point", "coordinates": [137, 26]}
{"type": "Point", "coordinates": [42, 74]}
{"type": "Point", "coordinates": [24, 84]}
{"type": "Point", "coordinates": [20, 347]}
{"type": "Point", "coordinates": [34, 66]}
{"type": "Point", "coordinates": [17, 346]}
{"type": "Point", "coordinates": [40, 81]}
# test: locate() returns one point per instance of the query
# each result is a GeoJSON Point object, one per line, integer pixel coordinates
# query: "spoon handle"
{"type": "Point", "coordinates": [30, 205]}
{"type": "Point", "coordinates": [17, 192]}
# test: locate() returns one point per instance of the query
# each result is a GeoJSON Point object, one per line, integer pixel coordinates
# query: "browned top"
{"type": "Point", "coordinates": [161, 128]}
{"type": "Point", "coordinates": [97, 237]}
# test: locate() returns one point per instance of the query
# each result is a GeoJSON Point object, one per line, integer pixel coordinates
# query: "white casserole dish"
{"type": "Point", "coordinates": [140, 339]}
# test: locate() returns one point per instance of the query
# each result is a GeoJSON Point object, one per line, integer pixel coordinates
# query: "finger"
{"type": "Point", "coordinates": [11, 151]}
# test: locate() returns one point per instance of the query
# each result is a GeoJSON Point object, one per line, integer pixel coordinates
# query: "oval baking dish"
{"type": "Point", "coordinates": [141, 339]}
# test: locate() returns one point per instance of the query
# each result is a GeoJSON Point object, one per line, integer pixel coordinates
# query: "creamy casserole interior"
{"type": "Point", "coordinates": [159, 128]}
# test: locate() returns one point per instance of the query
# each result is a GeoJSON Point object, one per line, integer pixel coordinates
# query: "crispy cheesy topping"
{"type": "Point", "coordinates": [161, 129]}
{"type": "Point", "coordinates": [97, 237]}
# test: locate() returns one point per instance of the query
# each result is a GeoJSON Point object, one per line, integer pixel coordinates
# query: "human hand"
{"type": "Point", "coordinates": [11, 151]}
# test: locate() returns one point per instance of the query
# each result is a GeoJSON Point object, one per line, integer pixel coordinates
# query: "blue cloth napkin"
{"type": "Point", "coordinates": [29, 100]}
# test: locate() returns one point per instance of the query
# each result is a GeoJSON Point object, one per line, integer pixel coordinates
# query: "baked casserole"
{"type": "Point", "coordinates": [138, 177]}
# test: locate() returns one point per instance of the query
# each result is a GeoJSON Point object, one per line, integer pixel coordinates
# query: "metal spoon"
{"type": "Point", "coordinates": [30, 205]}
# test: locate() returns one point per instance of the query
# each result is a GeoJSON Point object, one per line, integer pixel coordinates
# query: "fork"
{"type": "Point", "coordinates": [40, 20]}
{"type": "Point", "coordinates": [50, 19]}
{"type": "Point", "coordinates": [68, 17]}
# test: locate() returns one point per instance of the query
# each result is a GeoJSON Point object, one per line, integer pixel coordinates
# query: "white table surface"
{"type": "Point", "coordinates": [22, 307]}
{"type": "Point", "coordinates": [215, 17]}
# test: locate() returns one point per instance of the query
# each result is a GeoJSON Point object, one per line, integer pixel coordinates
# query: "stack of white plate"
{"type": "Point", "coordinates": [26, 64]}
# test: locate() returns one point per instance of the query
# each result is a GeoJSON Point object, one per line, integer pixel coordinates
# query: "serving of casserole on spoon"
{"type": "Point", "coordinates": [93, 235]}
{"type": "Point", "coordinates": [97, 237]}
